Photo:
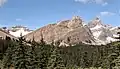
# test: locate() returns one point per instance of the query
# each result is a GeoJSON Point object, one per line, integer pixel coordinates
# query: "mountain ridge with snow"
{"type": "Point", "coordinates": [17, 30]}
{"type": "Point", "coordinates": [96, 32]}
{"type": "Point", "coordinates": [102, 32]}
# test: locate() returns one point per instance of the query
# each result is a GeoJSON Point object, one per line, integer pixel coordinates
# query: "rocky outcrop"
{"type": "Point", "coordinates": [67, 32]}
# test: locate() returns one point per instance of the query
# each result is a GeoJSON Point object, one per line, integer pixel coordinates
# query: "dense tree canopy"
{"type": "Point", "coordinates": [21, 54]}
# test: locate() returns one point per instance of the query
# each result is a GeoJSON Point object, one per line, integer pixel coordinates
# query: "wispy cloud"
{"type": "Point", "coordinates": [2, 2]}
{"type": "Point", "coordinates": [102, 2]}
{"type": "Point", "coordinates": [82, 1]}
{"type": "Point", "coordinates": [18, 19]}
{"type": "Point", "coordinates": [106, 13]}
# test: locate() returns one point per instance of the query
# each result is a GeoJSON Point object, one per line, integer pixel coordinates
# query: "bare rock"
{"type": "Point", "coordinates": [66, 32]}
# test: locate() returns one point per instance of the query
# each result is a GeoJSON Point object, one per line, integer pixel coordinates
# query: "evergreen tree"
{"type": "Point", "coordinates": [55, 61]}
{"type": "Point", "coordinates": [21, 60]}
{"type": "Point", "coordinates": [118, 34]}
{"type": "Point", "coordinates": [41, 54]}
{"type": "Point", "coordinates": [116, 63]}
{"type": "Point", "coordinates": [85, 60]}
{"type": "Point", "coordinates": [7, 57]}
{"type": "Point", "coordinates": [19, 55]}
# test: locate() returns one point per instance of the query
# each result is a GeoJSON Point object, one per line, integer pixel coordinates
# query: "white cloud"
{"type": "Point", "coordinates": [18, 19]}
{"type": "Point", "coordinates": [2, 2]}
{"type": "Point", "coordinates": [82, 1]}
{"type": "Point", "coordinates": [102, 2]}
{"type": "Point", "coordinates": [106, 13]}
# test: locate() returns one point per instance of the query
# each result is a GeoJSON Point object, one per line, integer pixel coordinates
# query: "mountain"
{"type": "Point", "coordinates": [18, 30]}
{"type": "Point", "coordinates": [66, 32]}
{"type": "Point", "coordinates": [69, 32]}
{"type": "Point", "coordinates": [75, 31]}
{"type": "Point", "coordinates": [102, 33]}
{"type": "Point", "coordinates": [3, 34]}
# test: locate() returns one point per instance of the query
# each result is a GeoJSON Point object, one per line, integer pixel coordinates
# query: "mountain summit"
{"type": "Point", "coordinates": [96, 22]}
{"type": "Point", "coordinates": [101, 32]}
{"type": "Point", "coordinates": [66, 32]}
{"type": "Point", "coordinates": [75, 31]}
{"type": "Point", "coordinates": [75, 22]}
{"type": "Point", "coordinates": [69, 32]}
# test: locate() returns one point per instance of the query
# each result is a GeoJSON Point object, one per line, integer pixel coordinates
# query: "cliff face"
{"type": "Point", "coordinates": [67, 32]}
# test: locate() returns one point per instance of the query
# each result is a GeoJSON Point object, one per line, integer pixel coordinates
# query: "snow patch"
{"type": "Point", "coordinates": [110, 39]}
{"type": "Point", "coordinates": [113, 28]}
{"type": "Point", "coordinates": [96, 27]}
{"type": "Point", "coordinates": [115, 35]}
{"type": "Point", "coordinates": [97, 34]}
{"type": "Point", "coordinates": [18, 32]}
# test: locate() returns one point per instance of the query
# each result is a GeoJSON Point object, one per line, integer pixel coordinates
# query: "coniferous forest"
{"type": "Point", "coordinates": [22, 54]}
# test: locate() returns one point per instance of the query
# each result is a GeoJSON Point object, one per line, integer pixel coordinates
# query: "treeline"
{"type": "Point", "coordinates": [20, 54]}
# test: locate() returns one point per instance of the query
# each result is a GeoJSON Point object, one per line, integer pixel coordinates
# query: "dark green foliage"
{"type": "Point", "coordinates": [4, 43]}
{"type": "Point", "coordinates": [55, 60]}
{"type": "Point", "coordinates": [32, 55]}
{"type": "Point", "coordinates": [118, 35]}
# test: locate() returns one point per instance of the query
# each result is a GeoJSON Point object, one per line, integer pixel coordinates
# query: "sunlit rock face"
{"type": "Point", "coordinates": [75, 22]}
{"type": "Point", "coordinates": [75, 31]}
{"type": "Point", "coordinates": [66, 32]}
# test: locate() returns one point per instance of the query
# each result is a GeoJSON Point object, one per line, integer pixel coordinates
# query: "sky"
{"type": "Point", "coordinates": [37, 13]}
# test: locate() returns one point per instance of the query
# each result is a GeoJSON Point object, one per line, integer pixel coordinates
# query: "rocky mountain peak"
{"type": "Point", "coordinates": [75, 22]}
{"type": "Point", "coordinates": [76, 18]}
{"type": "Point", "coordinates": [97, 18]}
{"type": "Point", "coordinates": [103, 33]}
{"type": "Point", "coordinates": [95, 22]}
{"type": "Point", "coordinates": [66, 32]}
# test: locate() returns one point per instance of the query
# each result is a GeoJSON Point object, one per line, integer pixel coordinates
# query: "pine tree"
{"type": "Point", "coordinates": [55, 61]}
{"type": "Point", "coordinates": [7, 58]}
{"type": "Point", "coordinates": [21, 56]}
{"type": "Point", "coordinates": [31, 57]}
{"type": "Point", "coordinates": [116, 63]}
{"type": "Point", "coordinates": [118, 35]}
{"type": "Point", "coordinates": [1, 64]}
{"type": "Point", "coordinates": [41, 54]}
{"type": "Point", "coordinates": [85, 60]}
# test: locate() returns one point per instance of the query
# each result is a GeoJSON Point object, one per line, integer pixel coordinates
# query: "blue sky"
{"type": "Point", "coordinates": [37, 13]}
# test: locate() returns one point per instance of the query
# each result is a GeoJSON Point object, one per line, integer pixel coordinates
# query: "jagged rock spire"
{"type": "Point", "coordinates": [96, 21]}
{"type": "Point", "coordinates": [76, 18]}
{"type": "Point", "coordinates": [75, 22]}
